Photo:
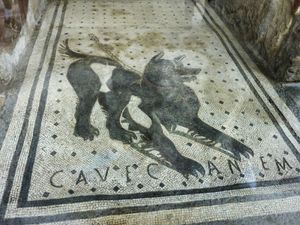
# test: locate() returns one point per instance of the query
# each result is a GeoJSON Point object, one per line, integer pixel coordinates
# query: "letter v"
{"type": "Point", "coordinates": [100, 175]}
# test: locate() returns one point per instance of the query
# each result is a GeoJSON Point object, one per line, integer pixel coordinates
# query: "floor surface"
{"type": "Point", "coordinates": [146, 112]}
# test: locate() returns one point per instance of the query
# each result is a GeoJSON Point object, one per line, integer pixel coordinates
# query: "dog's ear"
{"type": "Point", "coordinates": [158, 56]}
{"type": "Point", "coordinates": [179, 58]}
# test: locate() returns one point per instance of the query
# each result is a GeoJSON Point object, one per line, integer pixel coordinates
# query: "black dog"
{"type": "Point", "coordinates": [165, 99]}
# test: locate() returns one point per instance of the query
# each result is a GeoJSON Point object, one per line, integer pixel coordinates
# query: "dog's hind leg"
{"type": "Point", "coordinates": [114, 102]}
{"type": "Point", "coordinates": [86, 85]}
{"type": "Point", "coordinates": [83, 127]}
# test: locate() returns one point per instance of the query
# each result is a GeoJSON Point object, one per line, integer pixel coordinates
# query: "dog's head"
{"type": "Point", "coordinates": [164, 72]}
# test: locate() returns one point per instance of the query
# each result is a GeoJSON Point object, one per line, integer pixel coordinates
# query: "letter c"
{"type": "Point", "coordinates": [148, 170]}
{"type": "Point", "coordinates": [51, 179]}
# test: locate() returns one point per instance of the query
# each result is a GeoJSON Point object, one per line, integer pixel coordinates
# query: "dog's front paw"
{"type": "Point", "coordinates": [188, 167]}
{"type": "Point", "coordinates": [123, 135]}
{"type": "Point", "coordinates": [86, 132]}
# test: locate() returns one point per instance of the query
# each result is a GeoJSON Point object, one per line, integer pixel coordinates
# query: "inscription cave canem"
{"type": "Point", "coordinates": [267, 164]}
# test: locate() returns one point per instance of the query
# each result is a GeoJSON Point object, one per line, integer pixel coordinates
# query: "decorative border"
{"type": "Point", "coordinates": [21, 139]}
{"type": "Point", "coordinates": [23, 200]}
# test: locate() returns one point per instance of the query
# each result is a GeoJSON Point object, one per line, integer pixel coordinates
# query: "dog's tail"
{"type": "Point", "coordinates": [111, 60]}
{"type": "Point", "coordinates": [64, 49]}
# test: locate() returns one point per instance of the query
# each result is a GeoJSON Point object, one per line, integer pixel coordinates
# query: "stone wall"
{"type": "Point", "coordinates": [10, 60]}
{"type": "Point", "coordinates": [270, 29]}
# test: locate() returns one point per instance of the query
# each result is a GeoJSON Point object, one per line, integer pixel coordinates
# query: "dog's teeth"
{"type": "Point", "coordinates": [213, 143]}
{"type": "Point", "coordinates": [202, 138]}
{"type": "Point", "coordinates": [218, 145]}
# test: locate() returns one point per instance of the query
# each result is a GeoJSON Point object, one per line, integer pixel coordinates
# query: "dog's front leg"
{"type": "Point", "coordinates": [168, 150]}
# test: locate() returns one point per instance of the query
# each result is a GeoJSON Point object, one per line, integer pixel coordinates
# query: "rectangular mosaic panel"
{"type": "Point", "coordinates": [144, 108]}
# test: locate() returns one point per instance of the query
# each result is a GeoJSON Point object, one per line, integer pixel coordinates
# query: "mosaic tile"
{"type": "Point", "coordinates": [141, 110]}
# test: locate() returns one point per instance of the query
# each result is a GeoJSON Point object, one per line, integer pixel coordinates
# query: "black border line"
{"type": "Point", "coordinates": [142, 209]}
{"type": "Point", "coordinates": [40, 113]}
{"type": "Point", "coordinates": [117, 211]}
{"type": "Point", "coordinates": [20, 143]}
{"type": "Point", "coordinates": [156, 194]}
{"type": "Point", "coordinates": [257, 81]}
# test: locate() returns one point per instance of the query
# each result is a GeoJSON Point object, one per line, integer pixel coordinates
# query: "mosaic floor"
{"type": "Point", "coordinates": [146, 112]}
